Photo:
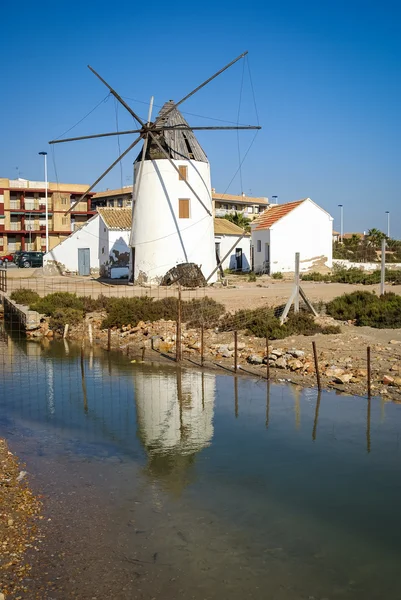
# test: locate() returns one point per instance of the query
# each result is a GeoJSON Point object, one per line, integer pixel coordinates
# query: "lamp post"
{"type": "Point", "coordinates": [342, 222]}
{"type": "Point", "coordinates": [46, 202]}
{"type": "Point", "coordinates": [388, 223]}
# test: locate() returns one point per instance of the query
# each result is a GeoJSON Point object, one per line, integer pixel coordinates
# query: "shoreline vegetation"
{"type": "Point", "coordinates": [144, 328]}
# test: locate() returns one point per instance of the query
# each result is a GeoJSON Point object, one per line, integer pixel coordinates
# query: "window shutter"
{"type": "Point", "coordinates": [183, 173]}
{"type": "Point", "coordinates": [183, 208]}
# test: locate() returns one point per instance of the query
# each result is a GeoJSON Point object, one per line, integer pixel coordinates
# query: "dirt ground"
{"type": "Point", "coordinates": [239, 293]}
{"type": "Point", "coordinates": [19, 514]}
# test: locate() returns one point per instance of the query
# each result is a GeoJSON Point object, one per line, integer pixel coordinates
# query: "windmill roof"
{"type": "Point", "coordinates": [275, 213]}
{"type": "Point", "coordinates": [119, 219]}
{"type": "Point", "coordinates": [179, 144]}
{"type": "Point", "coordinates": [226, 227]}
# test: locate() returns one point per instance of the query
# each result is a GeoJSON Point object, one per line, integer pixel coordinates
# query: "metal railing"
{"type": "Point", "coordinates": [3, 279]}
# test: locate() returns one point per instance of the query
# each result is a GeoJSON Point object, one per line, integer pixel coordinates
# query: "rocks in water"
{"type": "Point", "coordinates": [343, 379]}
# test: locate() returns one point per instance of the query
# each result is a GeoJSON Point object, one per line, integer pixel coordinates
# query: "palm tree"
{"type": "Point", "coordinates": [240, 220]}
{"type": "Point", "coordinates": [375, 237]}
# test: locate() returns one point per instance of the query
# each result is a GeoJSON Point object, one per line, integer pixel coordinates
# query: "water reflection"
{"type": "Point", "coordinates": [175, 422]}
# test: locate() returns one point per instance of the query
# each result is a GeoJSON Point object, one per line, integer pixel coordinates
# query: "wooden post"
{"type": "Point", "coordinates": [267, 405]}
{"type": "Point", "coordinates": [66, 326]}
{"type": "Point", "coordinates": [90, 334]}
{"type": "Point", "coordinates": [143, 353]}
{"type": "Point", "coordinates": [83, 382]}
{"type": "Point", "coordinates": [315, 422]}
{"type": "Point", "coordinates": [296, 299]}
{"type": "Point", "coordinates": [202, 347]}
{"type": "Point", "coordinates": [369, 372]}
{"type": "Point", "coordinates": [368, 445]}
{"type": "Point", "coordinates": [383, 268]}
{"type": "Point", "coordinates": [319, 385]}
{"type": "Point", "coordinates": [235, 351]}
{"type": "Point", "coordinates": [109, 339]}
{"type": "Point", "coordinates": [178, 332]}
{"type": "Point", "coordinates": [267, 359]}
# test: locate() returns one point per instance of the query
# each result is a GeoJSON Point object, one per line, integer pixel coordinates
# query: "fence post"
{"type": "Point", "coordinates": [202, 344]}
{"type": "Point", "coordinates": [267, 359]}
{"type": "Point", "coordinates": [66, 326]}
{"type": "Point", "coordinates": [109, 339]}
{"type": "Point", "coordinates": [178, 333]}
{"type": "Point", "coordinates": [90, 334]}
{"type": "Point", "coordinates": [369, 372]}
{"type": "Point", "coordinates": [383, 268]}
{"type": "Point", "coordinates": [296, 299]}
{"type": "Point", "coordinates": [235, 351]}
{"type": "Point", "coordinates": [319, 385]}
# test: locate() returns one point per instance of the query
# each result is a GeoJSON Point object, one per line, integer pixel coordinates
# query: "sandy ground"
{"type": "Point", "coordinates": [239, 293]}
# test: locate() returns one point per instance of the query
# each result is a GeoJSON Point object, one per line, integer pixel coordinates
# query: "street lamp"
{"type": "Point", "coordinates": [342, 222]}
{"type": "Point", "coordinates": [388, 223]}
{"type": "Point", "coordinates": [46, 203]}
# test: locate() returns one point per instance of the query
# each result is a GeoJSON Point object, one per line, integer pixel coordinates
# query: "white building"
{"type": "Point", "coordinates": [173, 212]}
{"type": "Point", "coordinates": [226, 234]}
{"type": "Point", "coordinates": [285, 229]}
{"type": "Point", "coordinates": [100, 246]}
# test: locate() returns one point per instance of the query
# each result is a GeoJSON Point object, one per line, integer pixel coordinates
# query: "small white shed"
{"type": "Point", "coordinates": [285, 229]}
{"type": "Point", "coordinates": [226, 234]}
{"type": "Point", "coordinates": [99, 247]}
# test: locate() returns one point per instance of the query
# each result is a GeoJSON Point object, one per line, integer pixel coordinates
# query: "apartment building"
{"type": "Point", "coordinates": [226, 204]}
{"type": "Point", "coordinates": [23, 213]}
{"type": "Point", "coordinates": [119, 198]}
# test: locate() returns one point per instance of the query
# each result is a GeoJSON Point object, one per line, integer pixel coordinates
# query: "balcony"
{"type": "Point", "coordinates": [15, 205]}
{"type": "Point", "coordinates": [15, 226]}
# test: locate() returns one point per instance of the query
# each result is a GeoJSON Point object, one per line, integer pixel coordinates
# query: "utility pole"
{"type": "Point", "coordinates": [342, 222]}
{"type": "Point", "coordinates": [46, 202]}
{"type": "Point", "coordinates": [388, 223]}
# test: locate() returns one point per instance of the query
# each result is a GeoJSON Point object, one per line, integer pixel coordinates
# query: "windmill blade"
{"type": "Point", "coordinates": [189, 128]}
{"type": "Point", "coordinates": [138, 139]}
{"type": "Point", "coordinates": [145, 147]}
{"type": "Point", "coordinates": [206, 82]}
{"type": "Point", "coordinates": [177, 170]}
{"type": "Point", "coordinates": [117, 96]}
{"type": "Point", "coordinates": [97, 135]}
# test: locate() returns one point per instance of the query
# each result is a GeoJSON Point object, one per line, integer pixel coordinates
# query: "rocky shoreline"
{"type": "Point", "coordinates": [19, 516]}
{"type": "Point", "coordinates": [341, 357]}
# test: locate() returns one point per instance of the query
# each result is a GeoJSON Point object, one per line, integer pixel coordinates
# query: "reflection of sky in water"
{"type": "Point", "coordinates": [318, 478]}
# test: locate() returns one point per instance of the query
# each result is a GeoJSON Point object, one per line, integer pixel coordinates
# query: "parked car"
{"type": "Point", "coordinates": [6, 258]}
{"type": "Point", "coordinates": [30, 259]}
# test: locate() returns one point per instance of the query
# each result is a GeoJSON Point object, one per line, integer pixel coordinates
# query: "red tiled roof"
{"type": "Point", "coordinates": [273, 214]}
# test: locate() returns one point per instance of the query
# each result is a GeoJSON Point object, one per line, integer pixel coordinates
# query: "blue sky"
{"type": "Point", "coordinates": [326, 77]}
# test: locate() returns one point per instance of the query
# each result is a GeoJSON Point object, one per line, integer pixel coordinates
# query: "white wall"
{"type": "Point", "coordinates": [307, 229]}
{"type": "Point", "coordinates": [226, 242]}
{"type": "Point", "coordinates": [370, 266]}
{"type": "Point", "coordinates": [114, 251]}
{"type": "Point", "coordinates": [64, 256]}
{"type": "Point", "coordinates": [162, 240]}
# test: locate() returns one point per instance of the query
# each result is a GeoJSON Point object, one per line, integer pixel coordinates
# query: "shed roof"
{"type": "Point", "coordinates": [226, 227]}
{"type": "Point", "coordinates": [275, 213]}
{"type": "Point", "coordinates": [119, 219]}
{"type": "Point", "coordinates": [179, 144]}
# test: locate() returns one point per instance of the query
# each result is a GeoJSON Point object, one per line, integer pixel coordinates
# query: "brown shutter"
{"type": "Point", "coordinates": [183, 208]}
{"type": "Point", "coordinates": [183, 173]}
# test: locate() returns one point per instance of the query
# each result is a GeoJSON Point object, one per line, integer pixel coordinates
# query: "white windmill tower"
{"type": "Point", "coordinates": [172, 199]}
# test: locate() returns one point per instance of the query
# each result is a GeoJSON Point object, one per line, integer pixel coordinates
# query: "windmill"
{"type": "Point", "coordinates": [172, 219]}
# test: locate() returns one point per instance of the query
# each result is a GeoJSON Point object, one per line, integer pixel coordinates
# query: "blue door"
{"type": "Point", "coordinates": [84, 261]}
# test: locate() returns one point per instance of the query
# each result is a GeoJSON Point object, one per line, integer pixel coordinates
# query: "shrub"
{"type": "Point", "coordinates": [53, 302]}
{"type": "Point", "coordinates": [366, 308]}
{"type": "Point", "coordinates": [353, 275]}
{"type": "Point", "coordinates": [24, 296]}
{"type": "Point", "coordinates": [263, 321]}
{"type": "Point", "coordinates": [252, 277]}
{"type": "Point", "coordinates": [277, 275]}
{"type": "Point", "coordinates": [64, 316]}
{"type": "Point", "coordinates": [125, 311]}
{"type": "Point", "coordinates": [92, 304]}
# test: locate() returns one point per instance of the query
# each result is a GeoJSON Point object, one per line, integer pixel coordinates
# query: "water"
{"type": "Point", "coordinates": [167, 483]}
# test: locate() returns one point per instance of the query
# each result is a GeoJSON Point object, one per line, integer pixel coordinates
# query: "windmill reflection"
{"type": "Point", "coordinates": [175, 422]}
